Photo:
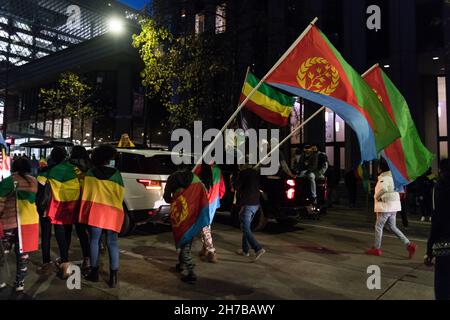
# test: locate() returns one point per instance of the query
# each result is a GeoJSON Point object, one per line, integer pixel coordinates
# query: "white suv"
{"type": "Point", "coordinates": [144, 173]}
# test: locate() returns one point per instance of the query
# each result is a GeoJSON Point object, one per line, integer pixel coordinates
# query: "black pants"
{"type": "Point", "coordinates": [442, 278]}
{"type": "Point", "coordinates": [46, 235]}
{"type": "Point", "coordinates": [83, 235]}
{"type": "Point", "coordinates": [63, 234]}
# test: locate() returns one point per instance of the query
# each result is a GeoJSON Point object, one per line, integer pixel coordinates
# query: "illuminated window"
{"type": "Point", "coordinates": [221, 21]}
{"type": "Point", "coordinates": [199, 23]}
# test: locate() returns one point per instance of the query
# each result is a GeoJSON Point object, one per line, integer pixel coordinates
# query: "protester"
{"type": "Point", "coordinates": [387, 204]}
{"type": "Point", "coordinates": [80, 159]}
{"type": "Point", "coordinates": [125, 142]}
{"type": "Point", "coordinates": [307, 166]}
{"type": "Point", "coordinates": [43, 198]}
{"type": "Point", "coordinates": [63, 208]}
{"type": "Point", "coordinates": [189, 215]}
{"type": "Point", "coordinates": [19, 219]}
{"type": "Point", "coordinates": [34, 166]}
{"type": "Point", "coordinates": [102, 210]}
{"type": "Point", "coordinates": [439, 239]}
{"type": "Point", "coordinates": [404, 211]}
{"type": "Point", "coordinates": [212, 178]}
{"type": "Point", "coordinates": [248, 187]}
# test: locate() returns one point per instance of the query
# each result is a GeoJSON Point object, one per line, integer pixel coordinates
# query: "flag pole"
{"type": "Point", "coordinates": [290, 135]}
{"type": "Point", "coordinates": [243, 103]}
{"type": "Point", "coordinates": [370, 70]}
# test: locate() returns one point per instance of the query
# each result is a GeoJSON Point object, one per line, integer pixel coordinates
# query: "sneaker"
{"type": "Point", "coordinates": [259, 254]}
{"type": "Point", "coordinates": [412, 247]}
{"type": "Point", "coordinates": [374, 252]}
{"type": "Point", "coordinates": [2, 285]}
{"type": "Point", "coordinates": [191, 278]}
{"type": "Point", "coordinates": [212, 257]}
{"type": "Point", "coordinates": [20, 286]}
{"type": "Point", "coordinates": [242, 253]}
{"type": "Point", "coordinates": [422, 219]}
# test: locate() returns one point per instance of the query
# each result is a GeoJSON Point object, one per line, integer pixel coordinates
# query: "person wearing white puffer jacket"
{"type": "Point", "coordinates": [387, 204]}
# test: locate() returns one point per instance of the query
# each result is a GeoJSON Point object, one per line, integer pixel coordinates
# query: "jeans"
{"type": "Point", "coordinates": [388, 218]}
{"type": "Point", "coordinates": [442, 278]}
{"type": "Point", "coordinates": [248, 240]}
{"type": "Point", "coordinates": [63, 235]}
{"type": "Point", "coordinates": [312, 182]}
{"type": "Point", "coordinates": [112, 242]}
{"type": "Point", "coordinates": [46, 235]}
{"type": "Point", "coordinates": [185, 257]}
{"type": "Point", "coordinates": [207, 240]}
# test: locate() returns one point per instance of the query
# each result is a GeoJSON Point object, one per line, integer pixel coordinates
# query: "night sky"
{"type": "Point", "coordinates": [137, 4]}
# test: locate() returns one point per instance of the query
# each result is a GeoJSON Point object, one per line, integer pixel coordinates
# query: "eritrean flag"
{"type": "Point", "coordinates": [216, 192]}
{"type": "Point", "coordinates": [102, 202]}
{"type": "Point", "coordinates": [66, 192]}
{"type": "Point", "coordinates": [267, 102]}
{"type": "Point", "coordinates": [27, 215]}
{"type": "Point", "coordinates": [189, 212]}
{"type": "Point", "coordinates": [316, 71]}
{"type": "Point", "coordinates": [405, 169]}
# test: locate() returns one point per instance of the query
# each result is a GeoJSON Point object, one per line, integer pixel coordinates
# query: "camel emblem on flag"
{"type": "Point", "coordinates": [318, 75]}
{"type": "Point", "coordinates": [180, 211]}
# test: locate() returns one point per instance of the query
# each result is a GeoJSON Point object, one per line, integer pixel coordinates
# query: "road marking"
{"type": "Point", "coordinates": [357, 232]}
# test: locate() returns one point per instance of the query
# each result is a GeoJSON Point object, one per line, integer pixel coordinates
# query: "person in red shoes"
{"type": "Point", "coordinates": [387, 204]}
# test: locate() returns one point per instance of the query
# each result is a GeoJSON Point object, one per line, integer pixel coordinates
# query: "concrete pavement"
{"type": "Point", "coordinates": [314, 260]}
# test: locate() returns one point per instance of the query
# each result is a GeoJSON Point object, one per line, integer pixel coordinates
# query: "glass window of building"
{"type": "Point", "coordinates": [199, 23]}
{"type": "Point", "coordinates": [221, 20]}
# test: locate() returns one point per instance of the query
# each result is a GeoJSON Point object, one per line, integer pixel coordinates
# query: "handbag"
{"type": "Point", "coordinates": [441, 248]}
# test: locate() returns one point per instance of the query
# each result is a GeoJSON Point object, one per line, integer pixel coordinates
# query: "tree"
{"type": "Point", "coordinates": [180, 71]}
{"type": "Point", "coordinates": [70, 98]}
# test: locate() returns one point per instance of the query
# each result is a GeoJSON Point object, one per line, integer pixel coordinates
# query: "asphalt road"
{"type": "Point", "coordinates": [314, 260]}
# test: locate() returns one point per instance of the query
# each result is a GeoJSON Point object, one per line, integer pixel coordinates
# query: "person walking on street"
{"type": "Point", "coordinates": [249, 193]}
{"type": "Point", "coordinates": [19, 219]}
{"type": "Point", "coordinates": [212, 178]}
{"type": "Point", "coordinates": [439, 240]}
{"type": "Point", "coordinates": [387, 204]}
{"type": "Point", "coordinates": [102, 210]}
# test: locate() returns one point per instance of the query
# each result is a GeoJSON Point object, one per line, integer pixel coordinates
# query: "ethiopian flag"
{"type": "Point", "coordinates": [66, 193]}
{"type": "Point", "coordinates": [315, 70]}
{"type": "Point", "coordinates": [102, 202]}
{"type": "Point", "coordinates": [407, 157]}
{"type": "Point", "coordinates": [268, 103]}
{"type": "Point", "coordinates": [27, 215]}
{"type": "Point", "coordinates": [189, 212]}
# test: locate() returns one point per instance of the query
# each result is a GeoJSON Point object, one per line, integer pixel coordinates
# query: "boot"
{"type": "Point", "coordinates": [113, 279]}
{"type": "Point", "coordinates": [191, 278]}
{"type": "Point", "coordinates": [203, 253]}
{"type": "Point", "coordinates": [86, 266]}
{"type": "Point", "coordinates": [64, 270]}
{"type": "Point", "coordinates": [212, 257]}
{"type": "Point", "coordinates": [93, 275]}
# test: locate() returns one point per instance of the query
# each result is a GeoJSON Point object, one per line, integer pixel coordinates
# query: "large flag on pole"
{"type": "Point", "coordinates": [316, 71]}
{"type": "Point", "coordinates": [407, 157]}
{"type": "Point", "coordinates": [267, 102]}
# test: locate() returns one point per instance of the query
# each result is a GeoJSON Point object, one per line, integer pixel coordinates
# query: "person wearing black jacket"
{"type": "Point", "coordinates": [248, 190]}
{"type": "Point", "coordinates": [440, 233]}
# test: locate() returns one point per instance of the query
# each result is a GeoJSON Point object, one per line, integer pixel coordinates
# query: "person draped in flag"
{"type": "Point", "coordinates": [189, 215]}
{"type": "Point", "coordinates": [57, 156]}
{"type": "Point", "coordinates": [387, 204]}
{"type": "Point", "coordinates": [19, 218]}
{"type": "Point", "coordinates": [63, 208]}
{"type": "Point", "coordinates": [212, 178]}
{"type": "Point", "coordinates": [102, 210]}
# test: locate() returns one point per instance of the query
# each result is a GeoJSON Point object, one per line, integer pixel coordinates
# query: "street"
{"type": "Point", "coordinates": [314, 260]}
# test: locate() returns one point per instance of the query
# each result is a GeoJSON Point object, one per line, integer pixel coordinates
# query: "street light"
{"type": "Point", "coordinates": [116, 25]}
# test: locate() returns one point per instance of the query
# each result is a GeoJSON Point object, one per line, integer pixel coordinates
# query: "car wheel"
{"type": "Point", "coordinates": [259, 221]}
{"type": "Point", "coordinates": [127, 226]}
